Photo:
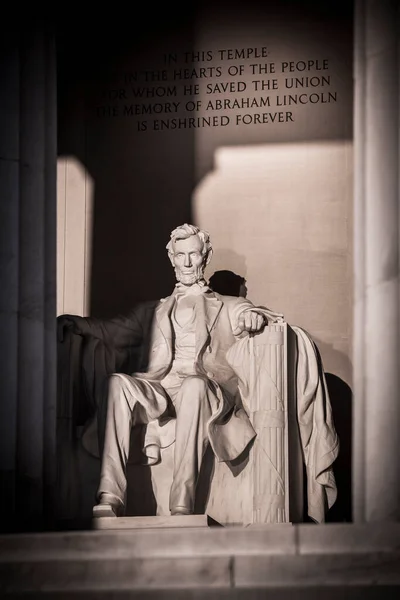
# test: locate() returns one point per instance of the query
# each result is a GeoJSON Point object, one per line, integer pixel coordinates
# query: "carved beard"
{"type": "Point", "coordinates": [190, 278]}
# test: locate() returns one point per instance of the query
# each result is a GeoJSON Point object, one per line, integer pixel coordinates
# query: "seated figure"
{"type": "Point", "coordinates": [185, 390]}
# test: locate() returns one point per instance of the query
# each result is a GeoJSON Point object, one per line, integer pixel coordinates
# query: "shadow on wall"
{"type": "Point", "coordinates": [228, 283]}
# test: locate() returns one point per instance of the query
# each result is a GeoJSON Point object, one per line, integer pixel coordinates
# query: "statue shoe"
{"type": "Point", "coordinates": [108, 506]}
{"type": "Point", "coordinates": [104, 510]}
{"type": "Point", "coordinates": [180, 510]}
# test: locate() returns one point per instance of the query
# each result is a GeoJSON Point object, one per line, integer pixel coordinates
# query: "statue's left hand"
{"type": "Point", "coordinates": [67, 322]}
{"type": "Point", "coordinates": [250, 321]}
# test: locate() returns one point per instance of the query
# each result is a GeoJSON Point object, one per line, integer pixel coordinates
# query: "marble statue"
{"type": "Point", "coordinates": [195, 387]}
{"type": "Point", "coordinates": [187, 378]}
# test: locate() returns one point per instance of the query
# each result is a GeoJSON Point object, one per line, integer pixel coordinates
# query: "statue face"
{"type": "Point", "coordinates": [188, 260]}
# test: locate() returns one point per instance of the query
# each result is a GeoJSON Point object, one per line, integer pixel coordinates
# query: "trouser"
{"type": "Point", "coordinates": [133, 401]}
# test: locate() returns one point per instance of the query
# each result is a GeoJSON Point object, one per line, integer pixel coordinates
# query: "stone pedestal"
{"type": "Point", "coordinates": [302, 562]}
{"type": "Point", "coordinates": [167, 522]}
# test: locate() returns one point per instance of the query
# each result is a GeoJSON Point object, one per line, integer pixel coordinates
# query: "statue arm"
{"type": "Point", "coordinates": [245, 316]}
{"type": "Point", "coordinates": [120, 332]}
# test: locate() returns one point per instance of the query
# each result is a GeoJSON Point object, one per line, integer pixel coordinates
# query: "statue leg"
{"type": "Point", "coordinates": [130, 401]}
{"type": "Point", "coordinates": [193, 405]}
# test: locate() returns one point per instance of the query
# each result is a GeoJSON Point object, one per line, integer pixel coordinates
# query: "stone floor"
{"type": "Point", "coordinates": [280, 562]}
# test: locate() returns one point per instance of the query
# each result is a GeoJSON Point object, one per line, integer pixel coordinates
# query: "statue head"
{"type": "Point", "coordinates": [189, 251]}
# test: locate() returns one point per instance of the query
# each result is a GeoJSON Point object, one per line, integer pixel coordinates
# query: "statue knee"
{"type": "Point", "coordinates": [115, 383]}
{"type": "Point", "coordinates": [194, 388]}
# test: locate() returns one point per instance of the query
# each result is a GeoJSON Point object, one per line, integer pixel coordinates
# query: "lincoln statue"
{"type": "Point", "coordinates": [187, 380]}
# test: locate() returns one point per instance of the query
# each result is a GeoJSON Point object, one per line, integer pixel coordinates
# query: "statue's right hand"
{"type": "Point", "coordinates": [66, 322]}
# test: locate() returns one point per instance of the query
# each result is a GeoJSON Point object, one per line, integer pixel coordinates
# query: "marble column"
{"type": "Point", "coordinates": [376, 416]}
{"type": "Point", "coordinates": [27, 276]}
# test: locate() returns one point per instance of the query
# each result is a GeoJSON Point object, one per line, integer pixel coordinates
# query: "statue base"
{"type": "Point", "coordinates": [192, 521]}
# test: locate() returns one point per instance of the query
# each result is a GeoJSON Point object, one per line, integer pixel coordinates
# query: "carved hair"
{"type": "Point", "coordinates": [184, 231]}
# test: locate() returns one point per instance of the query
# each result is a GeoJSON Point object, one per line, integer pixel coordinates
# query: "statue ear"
{"type": "Point", "coordinates": [208, 257]}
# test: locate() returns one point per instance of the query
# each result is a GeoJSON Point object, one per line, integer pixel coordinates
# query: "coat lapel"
{"type": "Point", "coordinates": [163, 317]}
{"type": "Point", "coordinates": [207, 310]}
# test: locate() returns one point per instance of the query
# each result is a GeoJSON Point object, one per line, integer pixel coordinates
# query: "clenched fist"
{"type": "Point", "coordinates": [250, 321]}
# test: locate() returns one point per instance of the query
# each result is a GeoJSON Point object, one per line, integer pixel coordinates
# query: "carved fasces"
{"type": "Point", "coordinates": [258, 488]}
{"type": "Point", "coordinates": [268, 415]}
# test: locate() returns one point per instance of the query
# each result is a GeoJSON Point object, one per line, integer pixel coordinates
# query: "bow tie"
{"type": "Point", "coordinates": [192, 290]}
